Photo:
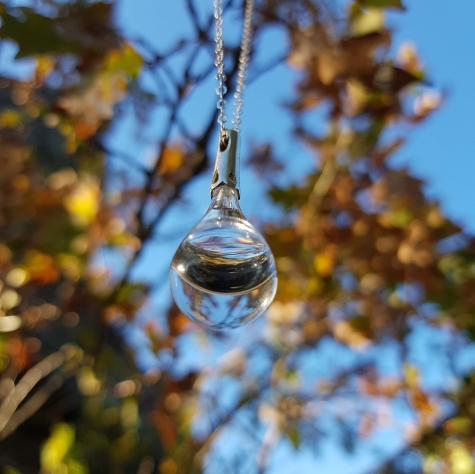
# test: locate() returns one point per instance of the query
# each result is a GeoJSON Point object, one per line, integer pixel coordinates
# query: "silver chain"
{"type": "Point", "coordinates": [243, 62]}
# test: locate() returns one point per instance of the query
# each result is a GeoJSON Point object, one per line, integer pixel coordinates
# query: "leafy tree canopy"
{"type": "Point", "coordinates": [375, 308]}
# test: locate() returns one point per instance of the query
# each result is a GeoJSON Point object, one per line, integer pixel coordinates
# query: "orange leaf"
{"type": "Point", "coordinates": [171, 160]}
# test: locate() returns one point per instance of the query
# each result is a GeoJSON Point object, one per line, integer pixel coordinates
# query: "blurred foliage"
{"type": "Point", "coordinates": [367, 264]}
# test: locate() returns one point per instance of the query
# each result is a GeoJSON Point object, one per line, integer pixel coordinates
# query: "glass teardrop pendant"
{"type": "Point", "coordinates": [223, 275]}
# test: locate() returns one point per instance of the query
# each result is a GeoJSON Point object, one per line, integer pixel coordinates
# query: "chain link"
{"type": "Point", "coordinates": [219, 63]}
{"type": "Point", "coordinates": [243, 62]}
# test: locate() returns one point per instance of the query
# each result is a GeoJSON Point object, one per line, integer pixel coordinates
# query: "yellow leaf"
{"type": "Point", "coordinates": [411, 375]}
{"type": "Point", "coordinates": [346, 333]}
{"type": "Point", "coordinates": [17, 277]}
{"type": "Point", "coordinates": [83, 202]}
{"type": "Point", "coordinates": [9, 323]}
{"type": "Point", "coordinates": [315, 285]}
{"type": "Point", "coordinates": [88, 382]}
{"type": "Point", "coordinates": [458, 425]}
{"type": "Point", "coordinates": [125, 60]}
{"type": "Point", "coordinates": [407, 58]}
{"type": "Point", "coordinates": [284, 313]}
{"type": "Point", "coordinates": [129, 414]}
{"type": "Point", "coordinates": [9, 299]}
{"type": "Point", "coordinates": [368, 21]}
{"type": "Point", "coordinates": [10, 119]}
{"type": "Point", "coordinates": [172, 159]}
{"type": "Point", "coordinates": [40, 267]}
{"type": "Point", "coordinates": [44, 66]}
{"type": "Point", "coordinates": [434, 218]}
{"type": "Point", "coordinates": [324, 263]}
{"type": "Point", "coordinates": [56, 448]}
{"type": "Point", "coordinates": [461, 460]}
{"type": "Point", "coordinates": [357, 96]}
{"type": "Point", "coordinates": [56, 454]}
{"type": "Point", "coordinates": [168, 467]}
{"type": "Point", "coordinates": [70, 265]}
{"type": "Point", "coordinates": [397, 218]}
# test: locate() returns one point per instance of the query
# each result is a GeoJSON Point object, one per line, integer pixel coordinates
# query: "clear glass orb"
{"type": "Point", "coordinates": [223, 275]}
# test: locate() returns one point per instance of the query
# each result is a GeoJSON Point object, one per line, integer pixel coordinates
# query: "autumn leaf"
{"type": "Point", "coordinates": [366, 21]}
{"type": "Point", "coordinates": [41, 268]}
{"type": "Point", "coordinates": [324, 262]}
{"type": "Point", "coordinates": [83, 202]}
{"type": "Point", "coordinates": [172, 158]}
{"type": "Point", "coordinates": [125, 60]}
{"type": "Point", "coordinates": [347, 333]}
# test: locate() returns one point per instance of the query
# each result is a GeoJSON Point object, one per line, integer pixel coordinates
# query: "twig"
{"type": "Point", "coordinates": [118, 154]}
{"type": "Point", "coordinates": [26, 384]}
{"type": "Point", "coordinates": [194, 16]}
{"type": "Point", "coordinates": [32, 405]}
{"type": "Point", "coordinates": [266, 68]}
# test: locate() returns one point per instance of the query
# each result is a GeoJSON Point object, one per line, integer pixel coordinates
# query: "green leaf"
{"type": "Point", "coordinates": [400, 218]}
{"type": "Point", "coordinates": [294, 436]}
{"type": "Point", "coordinates": [361, 324]}
{"type": "Point", "coordinates": [131, 291]}
{"type": "Point", "coordinates": [447, 297]}
{"type": "Point", "coordinates": [287, 198]}
{"type": "Point", "coordinates": [293, 196]}
{"type": "Point", "coordinates": [383, 4]}
{"type": "Point", "coordinates": [459, 424]}
{"type": "Point", "coordinates": [35, 34]}
{"type": "Point", "coordinates": [126, 60]}
{"type": "Point", "coordinates": [82, 28]}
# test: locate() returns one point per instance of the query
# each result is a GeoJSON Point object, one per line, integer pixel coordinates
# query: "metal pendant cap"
{"type": "Point", "coordinates": [226, 167]}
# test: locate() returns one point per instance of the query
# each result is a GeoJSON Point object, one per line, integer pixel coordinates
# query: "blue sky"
{"type": "Point", "coordinates": [443, 149]}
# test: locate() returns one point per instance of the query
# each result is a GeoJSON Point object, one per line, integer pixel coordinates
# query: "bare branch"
{"type": "Point", "coordinates": [32, 405]}
{"type": "Point", "coordinates": [194, 16]}
{"type": "Point", "coordinates": [266, 68]}
{"type": "Point", "coordinates": [26, 384]}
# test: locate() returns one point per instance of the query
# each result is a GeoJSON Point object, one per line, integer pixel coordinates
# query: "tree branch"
{"type": "Point", "coordinates": [26, 384]}
{"type": "Point", "coordinates": [32, 405]}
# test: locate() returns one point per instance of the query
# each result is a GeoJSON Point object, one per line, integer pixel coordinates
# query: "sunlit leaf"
{"type": "Point", "coordinates": [367, 21]}
{"type": "Point", "coordinates": [293, 434]}
{"type": "Point", "coordinates": [126, 60]}
{"type": "Point", "coordinates": [56, 452]}
{"type": "Point", "coordinates": [83, 202]}
{"type": "Point", "coordinates": [462, 460]}
{"type": "Point", "coordinates": [171, 160]}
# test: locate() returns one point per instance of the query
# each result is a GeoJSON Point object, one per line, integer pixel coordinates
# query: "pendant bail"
{"type": "Point", "coordinates": [226, 167]}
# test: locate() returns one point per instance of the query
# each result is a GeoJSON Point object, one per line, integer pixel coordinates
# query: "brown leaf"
{"type": "Point", "coordinates": [389, 78]}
